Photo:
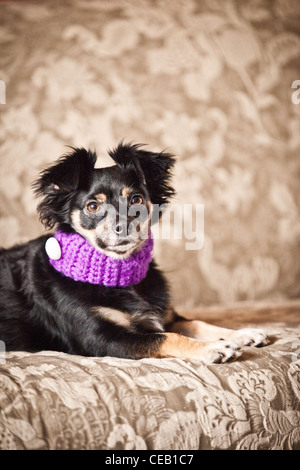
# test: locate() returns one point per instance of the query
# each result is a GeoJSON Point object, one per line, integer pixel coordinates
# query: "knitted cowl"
{"type": "Point", "coordinates": [82, 262]}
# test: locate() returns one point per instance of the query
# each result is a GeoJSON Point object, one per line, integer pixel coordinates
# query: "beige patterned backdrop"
{"type": "Point", "coordinates": [209, 80]}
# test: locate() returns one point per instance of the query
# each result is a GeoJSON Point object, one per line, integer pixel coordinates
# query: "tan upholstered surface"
{"type": "Point", "coordinates": [52, 400]}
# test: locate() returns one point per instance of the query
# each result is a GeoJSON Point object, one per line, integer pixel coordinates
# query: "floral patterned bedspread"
{"type": "Point", "coordinates": [51, 400]}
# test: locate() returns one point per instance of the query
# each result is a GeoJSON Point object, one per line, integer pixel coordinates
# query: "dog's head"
{"type": "Point", "coordinates": [111, 207]}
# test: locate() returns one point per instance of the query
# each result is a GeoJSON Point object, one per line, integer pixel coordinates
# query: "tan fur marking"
{"type": "Point", "coordinates": [126, 192]}
{"type": "Point", "coordinates": [200, 330]}
{"type": "Point", "coordinates": [90, 235]}
{"type": "Point", "coordinates": [176, 345]}
{"type": "Point", "coordinates": [115, 316]}
{"type": "Point", "coordinates": [101, 197]}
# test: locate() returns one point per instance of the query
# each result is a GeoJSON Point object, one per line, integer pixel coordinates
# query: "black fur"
{"type": "Point", "coordinates": [58, 185]}
{"type": "Point", "coordinates": [153, 168]}
{"type": "Point", "coordinates": [42, 309]}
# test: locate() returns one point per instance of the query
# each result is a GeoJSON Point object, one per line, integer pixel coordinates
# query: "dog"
{"type": "Point", "coordinates": [92, 288]}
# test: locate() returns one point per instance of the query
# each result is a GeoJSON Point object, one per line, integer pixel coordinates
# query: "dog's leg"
{"type": "Point", "coordinates": [164, 345]}
{"type": "Point", "coordinates": [216, 352]}
{"type": "Point", "coordinates": [202, 330]}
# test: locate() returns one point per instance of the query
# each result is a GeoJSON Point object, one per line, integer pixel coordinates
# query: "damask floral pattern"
{"type": "Point", "coordinates": [52, 400]}
{"type": "Point", "coordinates": [209, 80]}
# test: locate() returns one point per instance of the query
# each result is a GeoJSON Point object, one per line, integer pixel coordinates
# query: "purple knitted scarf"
{"type": "Point", "coordinates": [80, 261]}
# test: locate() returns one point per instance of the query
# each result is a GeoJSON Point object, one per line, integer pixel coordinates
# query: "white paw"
{"type": "Point", "coordinates": [218, 352]}
{"type": "Point", "coordinates": [249, 337]}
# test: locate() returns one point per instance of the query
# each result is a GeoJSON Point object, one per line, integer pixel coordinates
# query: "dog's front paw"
{"type": "Point", "coordinates": [250, 337]}
{"type": "Point", "coordinates": [218, 352]}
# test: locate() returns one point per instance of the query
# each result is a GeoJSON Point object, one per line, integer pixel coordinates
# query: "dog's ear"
{"type": "Point", "coordinates": [58, 184]}
{"type": "Point", "coordinates": [155, 169]}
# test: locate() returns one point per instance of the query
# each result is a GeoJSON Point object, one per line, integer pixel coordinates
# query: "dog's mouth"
{"type": "Point", "coordinates": [121, 240]}
{"type": "Point", "coordinates": [111, 244]}
{"type": "Point", "coordinates": [122, 247]}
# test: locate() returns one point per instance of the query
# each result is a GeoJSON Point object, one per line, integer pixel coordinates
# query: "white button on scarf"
{"type": "Point", "coordinates": [53, 249]}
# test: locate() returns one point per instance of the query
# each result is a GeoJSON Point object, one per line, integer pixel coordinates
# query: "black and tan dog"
{"type": "Point", "coordinates": [40, 308]}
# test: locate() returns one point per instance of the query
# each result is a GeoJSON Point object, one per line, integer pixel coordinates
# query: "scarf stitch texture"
{"type": "Point", "coordinates": [82, 262]}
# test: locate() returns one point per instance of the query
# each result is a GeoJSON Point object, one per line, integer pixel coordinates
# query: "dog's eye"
{"type": "Point", "coordinates": [137, 200]}
{"type": "Point", "coordinates": [93, 206]}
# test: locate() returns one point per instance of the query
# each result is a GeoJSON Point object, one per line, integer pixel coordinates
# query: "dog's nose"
{"type": "Point", "coordinates": [120, 229]}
